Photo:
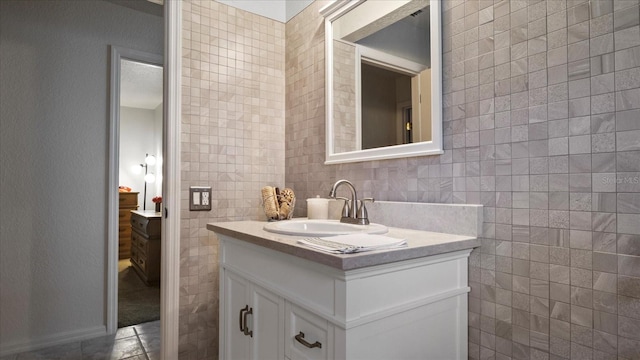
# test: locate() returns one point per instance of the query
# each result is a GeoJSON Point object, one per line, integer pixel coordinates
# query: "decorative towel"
{"type": "Point", "coordinates": [352, 243]}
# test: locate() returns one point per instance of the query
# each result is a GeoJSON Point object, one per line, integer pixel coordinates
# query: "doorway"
{"type": "Point", "coordinates": [136, 161]}
{"type": "Point", "coordinates": [140, 172]}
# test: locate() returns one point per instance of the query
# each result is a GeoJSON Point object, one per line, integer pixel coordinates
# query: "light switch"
{"type": "Point", "coordinates": [200, 198]}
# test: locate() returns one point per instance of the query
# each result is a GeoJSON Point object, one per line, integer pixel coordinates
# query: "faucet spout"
{"type": "Point", "coordinates": [353, 213]}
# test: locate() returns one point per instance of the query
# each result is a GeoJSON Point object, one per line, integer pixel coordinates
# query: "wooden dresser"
{"type": "Point", "coordinates": [145, 245]}
{"type": "Point", "coordinates": [128, 202]}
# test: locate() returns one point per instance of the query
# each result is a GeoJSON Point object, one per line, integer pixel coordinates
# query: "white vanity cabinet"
{"type": "Point", "coordinates": [258, 331]}
{"type": "Point", "coordinates": [301, 309]}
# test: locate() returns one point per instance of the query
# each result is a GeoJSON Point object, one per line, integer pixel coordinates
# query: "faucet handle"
{"type": "Point", "coordinates": [345, 207]}
{"type": "Point", "coordinates": [363, 215]}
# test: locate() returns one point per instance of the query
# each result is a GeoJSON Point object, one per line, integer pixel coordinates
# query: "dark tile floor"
{"type": "Point", "coordinates": [137, 342]}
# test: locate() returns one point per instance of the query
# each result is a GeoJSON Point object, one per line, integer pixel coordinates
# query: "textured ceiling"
{"type": "Point", "coordinates": [140, 85]}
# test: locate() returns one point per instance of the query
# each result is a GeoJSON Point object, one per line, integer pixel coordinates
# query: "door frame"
{"type": "Point", "coordinates": [118, 54]}
{"type": "Point", "coordinates": [170, 258]}
{"type": "Point", "coordinates": [170, 242]}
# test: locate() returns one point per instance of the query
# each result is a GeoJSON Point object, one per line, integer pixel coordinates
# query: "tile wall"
{"type": "Point", "coordinates": [344, 96]}
{"type": "Point", "coordinates": [232, 139]}
{"type": "Point", "coordinates": [542, 127]}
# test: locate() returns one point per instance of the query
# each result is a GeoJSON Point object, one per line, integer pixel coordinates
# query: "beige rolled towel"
{"type": "Point", "coordinates": [270, 202]}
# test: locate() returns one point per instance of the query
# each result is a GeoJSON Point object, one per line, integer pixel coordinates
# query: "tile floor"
{"type": "Point", "coordinates": [137, 342]}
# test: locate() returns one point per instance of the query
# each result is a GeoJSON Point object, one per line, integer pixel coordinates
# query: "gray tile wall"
{"type": "Point", "coordinates": [232, 123]}
{"type": "Point", "coordinates": [542, 127]}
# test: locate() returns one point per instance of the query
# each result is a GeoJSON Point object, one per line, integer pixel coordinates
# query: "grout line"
{"type": "Point", "coordinates": [144, 350]}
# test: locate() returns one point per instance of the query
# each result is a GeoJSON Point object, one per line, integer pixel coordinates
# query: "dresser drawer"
{"type": "Point", "coordinates": [125, 242]}
{"type": "Point", "coordinates": [147, 226]}
{"type": "Point", "coordinates": [124, 217]}
{"type": "Point", "coordinates": [307, 334]}
{"type": "Point", "coordinates": [128, 199]}
{"type": "Point", "coordinates": [138, 259]}
{"type": "Point", "coordinates": [134, 256]}
{"type": "Point", "coordinates": [142, 263]}
{"type": "Point", "coordinates": [124, 251]}
{"type": "Point", "coordinates": [124, 231]}
{"type": "Point", "coordinates": [140, 242]}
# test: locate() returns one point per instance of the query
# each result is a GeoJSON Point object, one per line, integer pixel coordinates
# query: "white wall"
{"type": "Point", "coordinates": [140, 134]}
{"type": "Point", "coordinates": [158, 136]}
{"type": "Point", "coordinates": [54, 130]}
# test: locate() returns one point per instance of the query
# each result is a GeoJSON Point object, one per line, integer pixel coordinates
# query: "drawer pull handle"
{"type": "Point", "coordinates": [240, 318]}
{"type": "Point", "coordinates": [300, 338]}
{"type": "Point", "coordinates": [243, 320]}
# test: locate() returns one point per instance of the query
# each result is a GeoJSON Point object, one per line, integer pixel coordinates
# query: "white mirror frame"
{"type": "Point", "coordinates": [332, 12]}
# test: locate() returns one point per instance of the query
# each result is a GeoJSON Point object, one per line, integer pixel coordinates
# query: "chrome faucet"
{"type": "Point", "coordinates": [351, 214]}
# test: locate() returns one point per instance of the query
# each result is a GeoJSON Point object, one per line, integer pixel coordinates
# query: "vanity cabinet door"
{"type": "Point", "coordinates": [267, 324]}
{"type": "Point", "coordinates": [253, 321]}
{"type": "Point", "coordinates": [236, 344]}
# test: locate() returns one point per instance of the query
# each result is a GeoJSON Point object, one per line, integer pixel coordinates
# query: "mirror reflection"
{"type": "Point", "coordinates": [391, 99]}
{"type": "Point", "coordinates": [380, 79]}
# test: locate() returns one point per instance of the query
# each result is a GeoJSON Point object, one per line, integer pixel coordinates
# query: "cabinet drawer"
{"type": "Point", "coordinates": [124, 251]}
{"type": "Point", "coordinates": [134, 239]}
{"type": "Point", "coordinates": [150, 227]}
{"type": "Point", "coordinates": [133, 257]}
{"type": "Point", "coordinates": [128, 199]}
{"type": "Point", "coordinates": [138, 260]}
{"type": "Point", "coordinates": [124, 231]}
{"type": "Point", "coordinates": [140, 242]}
{"type": "Point", "coordinates": [142, 263]}
{"type": "Point", "coordinates": [124, 216]}
{"type": "Point", "coordinates": [124, 242]}
{"type": "Point", "coordinates": [307, 334]}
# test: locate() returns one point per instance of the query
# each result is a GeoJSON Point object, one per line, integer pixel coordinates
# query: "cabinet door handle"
{"type": "Point", "coordinates": [246, 308]}
{"type": "Point", "coordinates": [300, 338]}
{"type": "Point", "coordinates": [244, 320]}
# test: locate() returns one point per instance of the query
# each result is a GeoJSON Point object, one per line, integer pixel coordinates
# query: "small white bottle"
{"type": "Point", "coordinates": [318, 208]}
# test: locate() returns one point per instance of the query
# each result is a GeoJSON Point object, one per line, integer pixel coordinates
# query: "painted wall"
{"type": "Point", "coordinates": [54, 129]}
{"type": "Point", "coordinates": [541, 107]}
{"type": "Point", "coordinates": [158, 136]}
{"type": "Point", "coordinates": [140, 134]}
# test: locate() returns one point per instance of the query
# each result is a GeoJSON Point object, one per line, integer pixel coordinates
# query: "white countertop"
{"type": "Point", "coordinates": [147, 213]}
{"type": "Point", "coordinates": [420, 244]}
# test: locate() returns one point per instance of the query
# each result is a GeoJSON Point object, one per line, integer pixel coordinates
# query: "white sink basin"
{"type": "Point", "coordinates": [306, 227]}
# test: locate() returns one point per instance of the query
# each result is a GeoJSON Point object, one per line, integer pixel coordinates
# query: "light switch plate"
{"type": "Point", "coordinates": [200, 198]}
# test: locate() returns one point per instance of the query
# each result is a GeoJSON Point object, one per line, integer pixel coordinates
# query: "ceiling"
{"type": "Point", "coordinates": [280, 10]}
{"type": "Point", "coordinates": [140, 85]}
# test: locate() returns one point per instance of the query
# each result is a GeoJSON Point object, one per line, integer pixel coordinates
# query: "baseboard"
{"type": "Point", "coordinates": [52, 340]}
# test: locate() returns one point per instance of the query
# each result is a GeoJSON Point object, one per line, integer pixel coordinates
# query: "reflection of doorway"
{"type": "Point", "coordinates": [141, 130]}
{"type": "Point", "coordinates": [140, 170]}
{"type": "Point", "coordinates": [136, 167]}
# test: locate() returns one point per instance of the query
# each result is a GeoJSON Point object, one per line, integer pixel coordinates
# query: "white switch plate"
{"type": "Point", "coordinates": [200, 198]}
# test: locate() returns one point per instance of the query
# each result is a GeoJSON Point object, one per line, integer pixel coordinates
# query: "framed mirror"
{"type": "Point", "coordinates": [383, 79]}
